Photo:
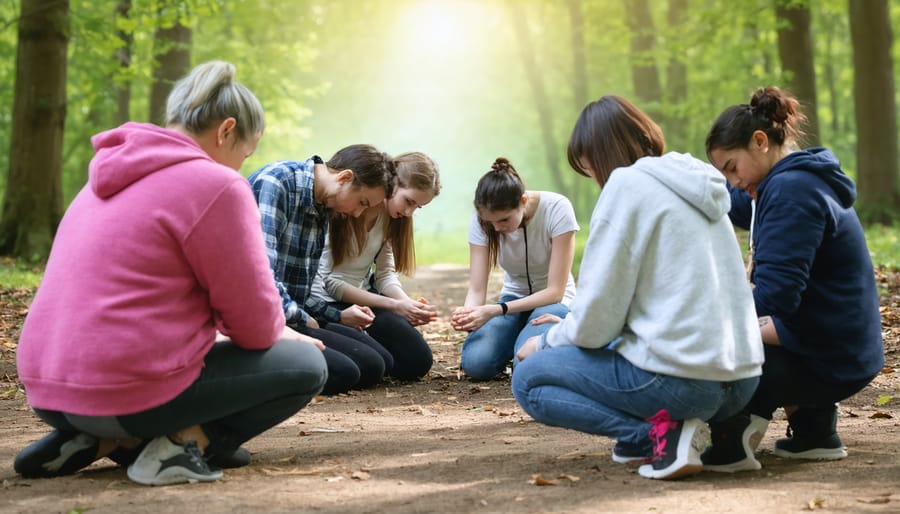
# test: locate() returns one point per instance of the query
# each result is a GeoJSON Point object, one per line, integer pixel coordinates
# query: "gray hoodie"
{"type": "Point", "coordinates": [662, 275]}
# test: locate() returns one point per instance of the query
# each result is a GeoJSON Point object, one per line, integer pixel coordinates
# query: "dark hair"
{"type": "Point", "coordinates": [611, 133]}
{"type": "Point", "coordinates": [500, 189]}
{"type": "Point", "coordinates": [371, 167]}
{"type": "Point", "coordinates": [771, 110]}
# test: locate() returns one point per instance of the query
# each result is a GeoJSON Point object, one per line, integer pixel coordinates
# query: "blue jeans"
{"type": "Point", "coordinates": [487, 350]}
{"type": "Point", "coordinates": [599, 392]}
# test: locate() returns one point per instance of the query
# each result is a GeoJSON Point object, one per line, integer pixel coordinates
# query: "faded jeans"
{"type": "Point", "coordinates": [600, 392]}
{"type": "Point", "coordinates": [487, 350]}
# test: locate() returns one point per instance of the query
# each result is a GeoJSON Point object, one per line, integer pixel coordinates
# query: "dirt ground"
{"type": "Point", "coordinates": [448, 444]}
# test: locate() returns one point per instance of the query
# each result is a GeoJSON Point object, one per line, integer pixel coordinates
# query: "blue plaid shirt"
{"type": "Point", "coordinates": [293, 226]}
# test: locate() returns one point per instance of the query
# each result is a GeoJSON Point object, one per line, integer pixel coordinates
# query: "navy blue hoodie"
{"type": "Point", "coordinates": [811, 266]}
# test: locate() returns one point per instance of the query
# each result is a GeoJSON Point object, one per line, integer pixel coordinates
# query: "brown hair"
{"type": "Point", "coordinates": [500, 189]}
{"type": "Point", "coordinates": [611, 133]}
{"type": "Point", "coordinates": [411, 170]}
{"type": "Point", "coordinates": [771, 110]}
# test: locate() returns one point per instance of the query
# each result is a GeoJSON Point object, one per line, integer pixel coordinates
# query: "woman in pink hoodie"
{"type": "Point", "coordinates": [157, 336]}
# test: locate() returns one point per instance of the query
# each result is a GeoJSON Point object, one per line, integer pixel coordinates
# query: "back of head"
{"type": "Point", "coordinates": [417, 171]}
{"type": "Point", "coordinates": [371, 167]}
{"type": "Point", "coordinates": [611, 133]}
{"type": "Point", "coordinates": [500, 189]}
{"type": "Point", "coordinates": [771, 110]}
{"type": "Point", "coordinates": [209, 95]}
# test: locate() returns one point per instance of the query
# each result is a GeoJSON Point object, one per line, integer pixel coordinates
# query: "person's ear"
{"type": "Point", "coordinates": [345, 176]}
{"type": "Point", "coordinates": [225, 129]}
{"type": "Point", "coordinates": [760, 141]}
{"type": "Point", "coordinates": [524, 199]}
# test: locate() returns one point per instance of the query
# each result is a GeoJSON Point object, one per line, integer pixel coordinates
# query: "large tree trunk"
{"type": "Point", "coordinates": [123, 56]}
{"type": "Point", "coordinates": [174, 61]}
{"type": "Point", "coordinates": [795, 48]}
{"type": "Point", "coordinates": [535, 79]}
{"type": "Point", "coordinates": [32, 205]}
{"type": "Point", "coordinates": [876, 110]}
{"type": "Point", "coordinates": [644, 74]}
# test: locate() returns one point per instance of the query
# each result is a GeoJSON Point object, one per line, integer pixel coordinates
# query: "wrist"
{"type": "Point", "coordinates": [504, 308]}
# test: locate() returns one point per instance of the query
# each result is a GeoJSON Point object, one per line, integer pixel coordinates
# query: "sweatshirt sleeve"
{"type": "Point", "coordinates": [226, 251]}
{"type": "Point", "coordinates": [741, 210]}
{"type": "Point", "coordinates": [788, 235]}
{"type": "Point", "coordinates": [385, 271]}
{"type": "Point", "coordinates": [606, 283]}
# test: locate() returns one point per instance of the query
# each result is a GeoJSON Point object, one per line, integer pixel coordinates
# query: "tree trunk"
{"type": "Point", "coordinates": [676, 80]}
{"type": "Point", "coordinates": [795, 49]}
{"type": "Point", "coordinates": [644, 74]}
{"type": "Point", "coordinates": [123, 56]}
{"type": "Point", "coordinates": [876, 110]}
{"type": "Point", "coordinates": [535, 80]}
{"type": "Point", "coordinates": [32, 205]}
{"type": "Point", "coordinates": [174, 61]}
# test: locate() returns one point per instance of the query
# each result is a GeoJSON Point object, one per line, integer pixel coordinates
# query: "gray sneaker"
{"type": "Point", "coordinates": [163, 462]}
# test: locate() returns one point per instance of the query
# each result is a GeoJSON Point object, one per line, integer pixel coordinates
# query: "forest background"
{"type": "Point", "coordinates": [462, 80]}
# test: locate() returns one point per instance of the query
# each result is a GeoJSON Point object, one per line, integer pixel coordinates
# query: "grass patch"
{"type": "Point", "coordinates": [15, 275]}
{"type": "Point", "coordinates": [884, 245]}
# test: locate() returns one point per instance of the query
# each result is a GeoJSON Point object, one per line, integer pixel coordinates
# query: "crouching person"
{"type": "Point", "coordinates": [157, 254]}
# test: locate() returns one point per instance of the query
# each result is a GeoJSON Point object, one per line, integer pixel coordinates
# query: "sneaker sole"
{"type": "Point", "coordinates": [814, 454]}
{"type": "Point", "coordinates": [629, 460]}
{"type": "Point", "coordinates": [174, 475]}
{"type": "Point", "coordinates": [690, 447]}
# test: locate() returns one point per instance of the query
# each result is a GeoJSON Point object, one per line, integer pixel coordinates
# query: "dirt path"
{"type": "Point", "coordinates": [451, 445]}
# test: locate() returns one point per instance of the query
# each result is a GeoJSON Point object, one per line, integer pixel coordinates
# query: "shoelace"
{"type": "Point", "coordinates": [661, 423]}
{"type": "Point", "coordinates": [193, 452]}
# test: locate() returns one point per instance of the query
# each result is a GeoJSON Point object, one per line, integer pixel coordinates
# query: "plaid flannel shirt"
{"type": "Point", "coordinates": [294, 227]}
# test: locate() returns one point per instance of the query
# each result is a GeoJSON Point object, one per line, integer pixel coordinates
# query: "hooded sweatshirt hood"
{"type": "Point", "coordinates": [824, 164]}
{"type": "Point", "coordinates": [132, 151]}
{"type": "Point", "coordinates": [694, 181]}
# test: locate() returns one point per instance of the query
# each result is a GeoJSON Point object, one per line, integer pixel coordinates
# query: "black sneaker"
{"type": "Point", "coordinates": [237, 459]}
{"type": "Point", "coordinates": [56, 454]}
{"type": "Point", "coordinates": [163, 462]}
{"type": "Point", "coordinates": [823, 448]}
{"type": "Point", "coordinates": [734, 443]}
{"type": "Point", "coordinates": [629, 453]}
{"type": "Point", "coordinates": [676, 447]}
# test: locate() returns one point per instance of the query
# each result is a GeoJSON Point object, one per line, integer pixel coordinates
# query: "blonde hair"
{"type": "Point", "coordinates": [208, 95]}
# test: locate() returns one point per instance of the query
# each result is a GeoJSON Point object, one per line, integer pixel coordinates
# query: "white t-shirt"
{"type": "Point", "coordinates": [331, 281]}
{"type": "Point", "coordinates": [553, 217]}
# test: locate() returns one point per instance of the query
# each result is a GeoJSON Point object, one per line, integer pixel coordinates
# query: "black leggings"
{"type": "Point", "coordinates": [410, 353]}
{"type": "Point", "coordinates": [355, 360]}
{"type": "Point", "coordinates": [788, 380]}
{"type": "Point", "coordinates": [238, 395]}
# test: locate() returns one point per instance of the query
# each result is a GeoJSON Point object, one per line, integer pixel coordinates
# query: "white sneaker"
{"type": "Point", "coordinates": [163, 462]}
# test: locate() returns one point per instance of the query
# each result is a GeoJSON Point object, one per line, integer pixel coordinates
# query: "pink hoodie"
{"type": "Point", "coordinates": [161, 247]}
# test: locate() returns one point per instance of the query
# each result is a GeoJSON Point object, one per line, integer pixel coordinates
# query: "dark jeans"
{"type": "Point", "coordinates": [355, 360]}
{"type": "Point", "coordinates": [238, 395]}
{"type": "Point", "coordinates": [788, 380]}
{"type": "Point", "coordinates": [404, 345]}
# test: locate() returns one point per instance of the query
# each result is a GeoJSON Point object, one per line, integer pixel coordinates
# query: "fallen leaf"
{"type": "Point", "coordinates": [360, 475]}
{"type": "Point", "coordinates": [815, 503]}
{"type": "Point", "coordinates": [570, 478]}
{"type": "Point", "coordinates": [881, 415]}
{"type": "Point", "coordinates": [539, 480]}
